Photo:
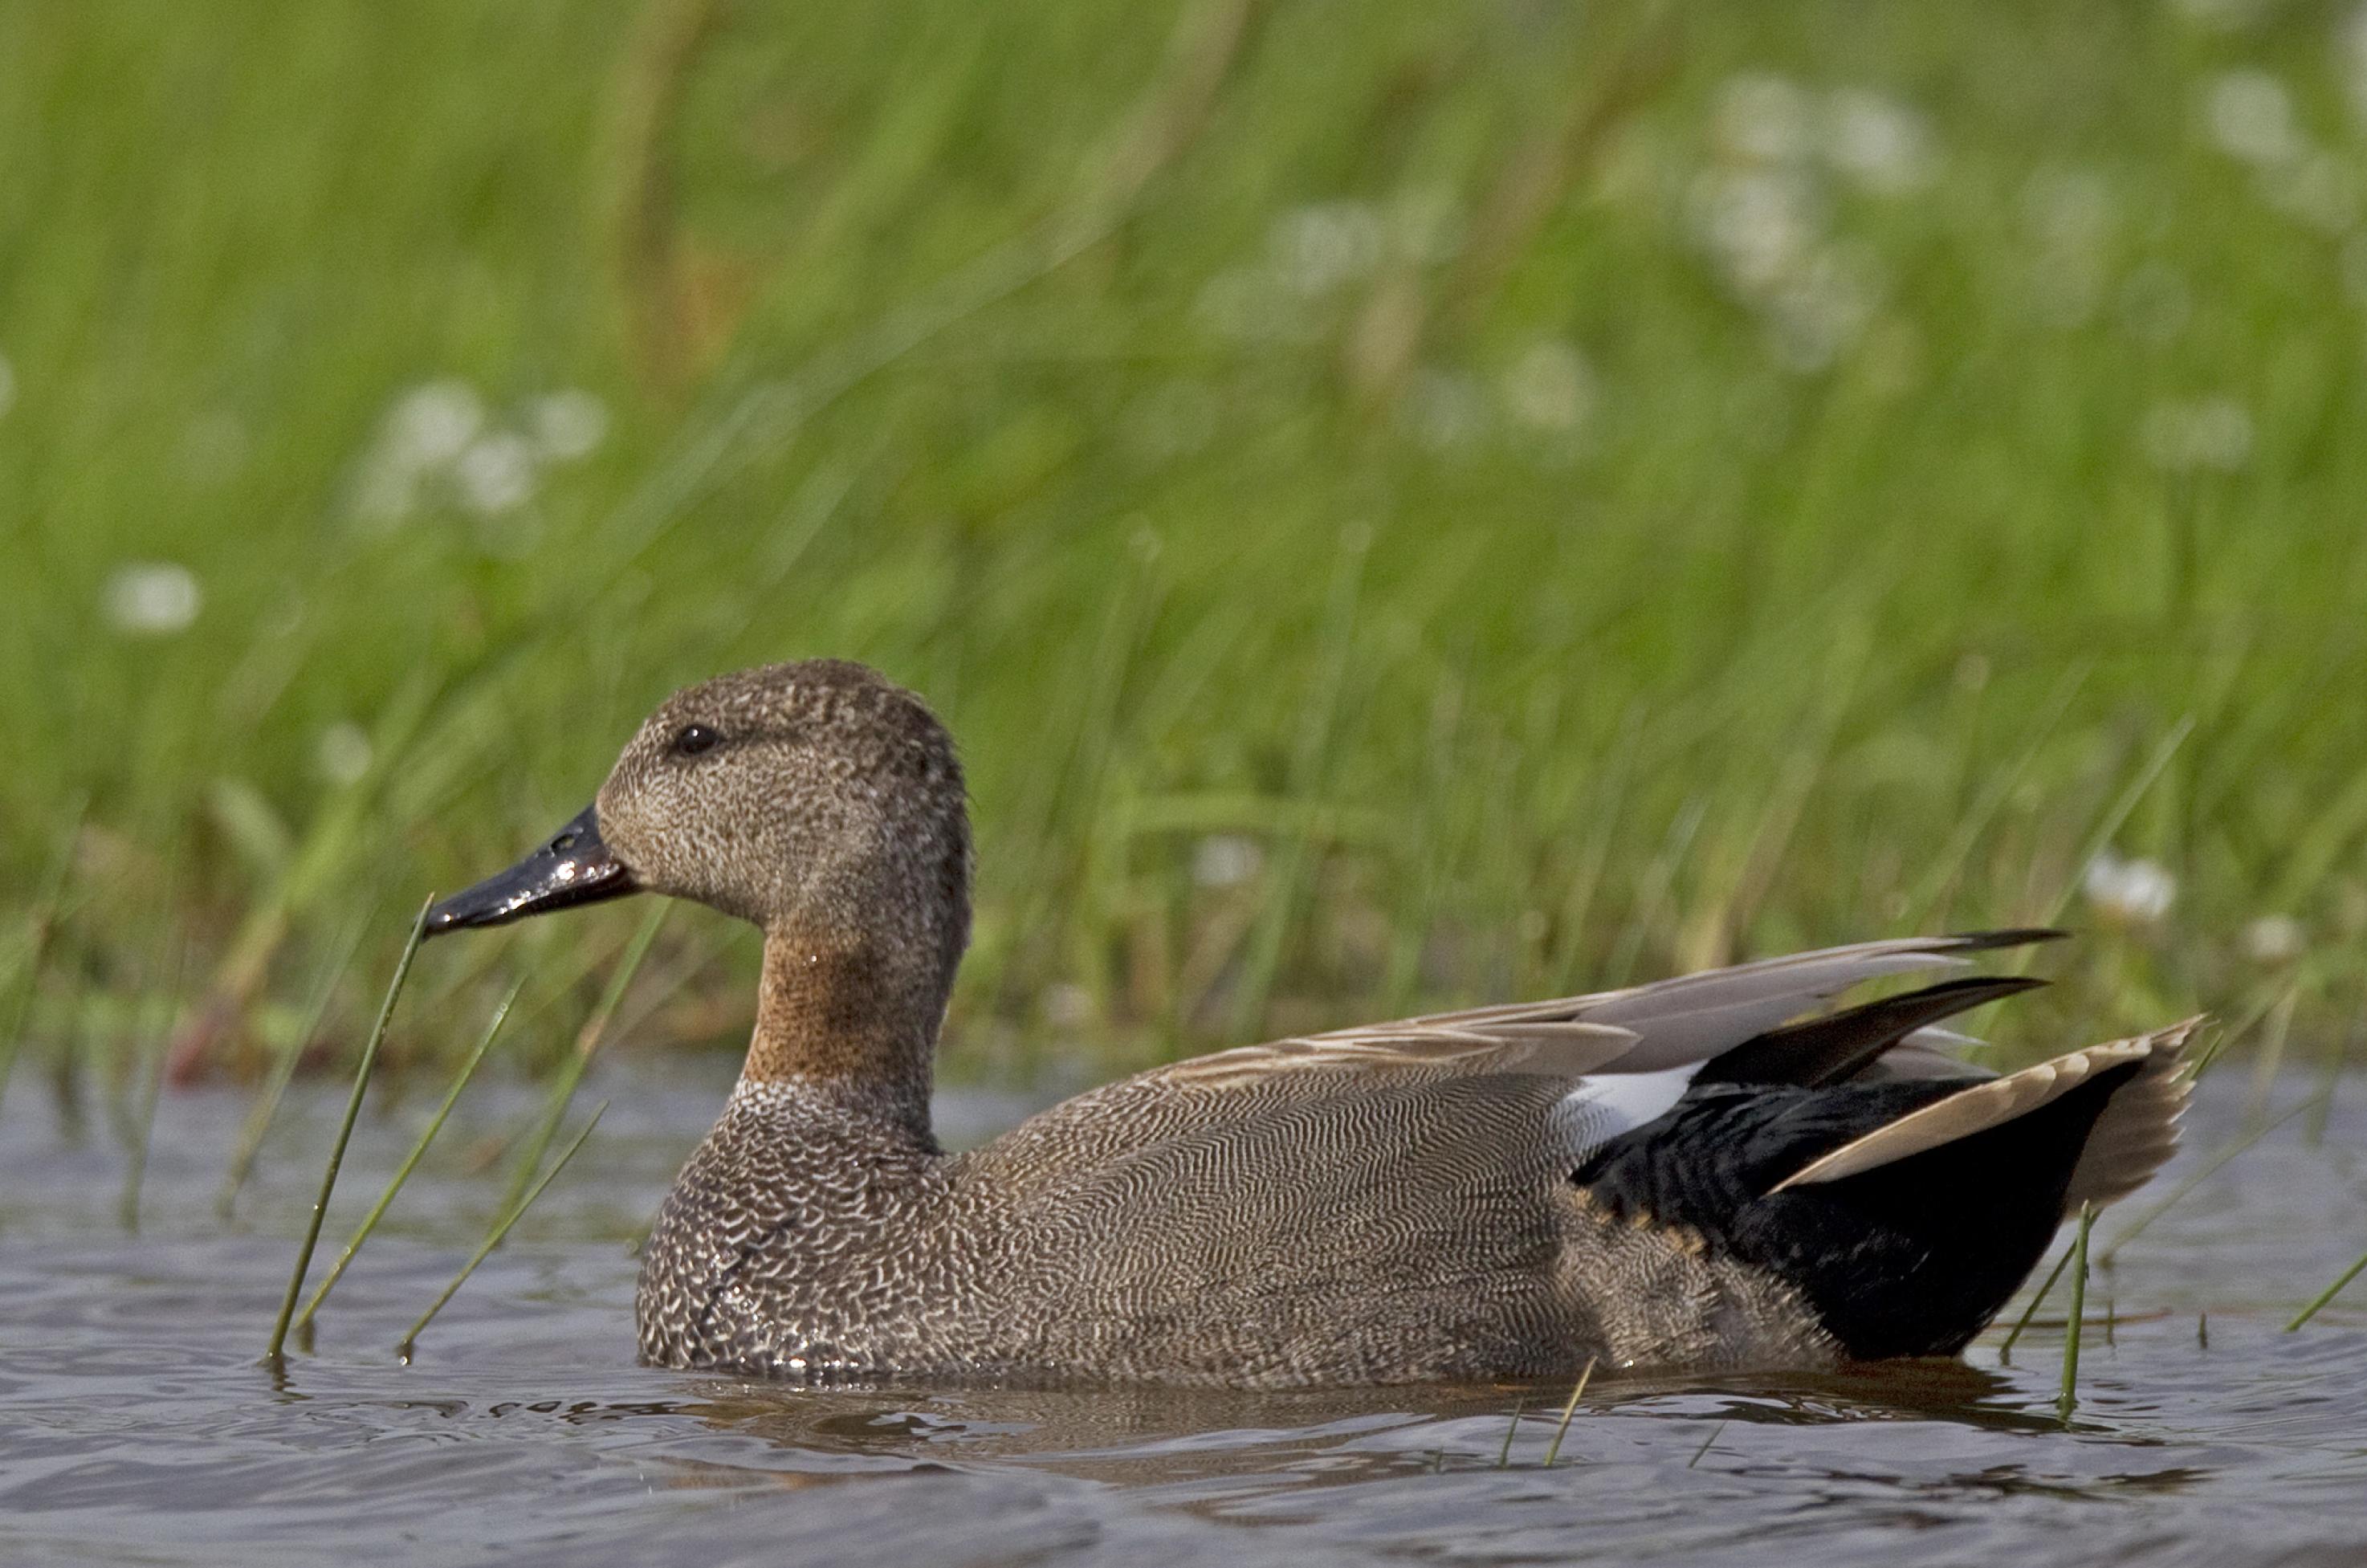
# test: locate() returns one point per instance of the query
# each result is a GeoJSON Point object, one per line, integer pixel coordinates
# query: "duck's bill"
{"type": "Point", "coordinates": [573, 868]}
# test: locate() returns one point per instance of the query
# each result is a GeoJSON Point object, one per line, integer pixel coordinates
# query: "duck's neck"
{"type": "Point", "coordinates": [851, 1023]}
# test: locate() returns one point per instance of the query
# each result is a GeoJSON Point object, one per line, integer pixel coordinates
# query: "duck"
{"type": "Point", "coordinates": [1727, 1171]}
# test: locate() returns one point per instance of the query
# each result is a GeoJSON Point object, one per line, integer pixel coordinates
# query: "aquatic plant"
{"type": "Point", "coordinates": [409, 1340]}
{"type": "Point", "coordinates": [1561, 1427]}
{"type": "Point", "coordinates": [411, 1160]}
{"type": "Point", "coordinates": [344, 1135]}
{"type": "Point", "coordinates": [2068, 1400]}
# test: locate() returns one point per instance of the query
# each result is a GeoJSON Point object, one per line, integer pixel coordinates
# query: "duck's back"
{"type": "Point", "coordinates": [1425, 1228]}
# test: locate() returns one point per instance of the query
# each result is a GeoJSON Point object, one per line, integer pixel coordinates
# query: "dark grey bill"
{"type": "Point", "coordinates": [575, 867]}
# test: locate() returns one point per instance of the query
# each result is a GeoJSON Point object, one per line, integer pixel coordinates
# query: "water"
{"type": "Point", "coordinates": [136, 1426]}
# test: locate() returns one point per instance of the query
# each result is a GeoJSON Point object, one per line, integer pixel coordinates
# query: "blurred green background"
{"type": "Point", "coordinates": [1401, 504]}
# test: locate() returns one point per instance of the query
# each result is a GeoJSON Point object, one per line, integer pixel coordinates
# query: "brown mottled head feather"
{"type": "Point", "coordinates": [825, 804]}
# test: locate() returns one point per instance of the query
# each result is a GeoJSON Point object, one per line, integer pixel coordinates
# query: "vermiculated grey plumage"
{"type": "Point", "coordinates": [1418, 1199]}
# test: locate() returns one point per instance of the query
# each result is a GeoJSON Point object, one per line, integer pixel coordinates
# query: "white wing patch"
{"type": "Point", "coordinates": [1603, 1107]}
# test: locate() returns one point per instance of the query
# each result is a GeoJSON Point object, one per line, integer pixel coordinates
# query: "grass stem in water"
{"type": "Point", "coordinates": [1504, 1454]}
{"type": "Point", "coordinates": [493, 1237]}
{"type": "Point", "coordinates": [345, 1134]}
{"type": "Point", "coordinates": [2069, 1400]}
{"type": "Point", "coordinates": [2005, 1351]}
{"type": "Point", "coordinates": [39, 931]}
{"type": "Point", "coordinates": [266, 1100]}
{"type": "Point", "coordinates": [1553, 1449]}
{"type": "Point", "coordinates": [410, 1161]}
{"type": "Point", "coordinates": [2327, 1294]}
{"type": "Point", "coordinates": [152, 1086]}
{"type": "Point", "coordinates": [2210, 1167]}
{"type": "Point", "coordinates": [588, 1041]}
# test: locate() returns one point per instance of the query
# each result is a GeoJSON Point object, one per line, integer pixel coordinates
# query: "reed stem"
{"type": "Point", "coordinates": [493, 1237]}
{"type": "Point", "coordinates": [39, 933]}
{"type": "Point", "coordinates": [135, 1168]}
{"type": "Point", "coordinates": [2069, 1400]}
{"type": "Point", "coordinates": [2005, 1351]}
{"type": "Point", "coordinates": [2327, 1294]}
{"type": "Point", "coordinates": [1504, 1454]}
{"type": "Point", "coordinates": [345, 1134]}
{"type": "Point", "coordinates": [588, 1041]}
{"type": "Point", "coordinates": [1553, 1449]}
{"type": "Point", "coordinates": [2210, 1167]}
{"type": "Point", "coordinates": [410, 1161]}
{"type": "Point", "coordinates": [267, 1099]}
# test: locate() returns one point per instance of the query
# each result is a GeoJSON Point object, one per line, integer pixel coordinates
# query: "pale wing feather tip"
{"type": "Point", "coordinates": [1561, 1050]}
{"type": "Point", "coordinates": [2131, 1139]}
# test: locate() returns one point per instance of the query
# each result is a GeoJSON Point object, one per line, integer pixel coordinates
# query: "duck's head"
{"type": "Point", "coordinates": [815, 798]}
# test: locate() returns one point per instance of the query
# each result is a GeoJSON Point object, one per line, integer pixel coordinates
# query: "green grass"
{"type": "Point", "coordinates": [1333, 451]}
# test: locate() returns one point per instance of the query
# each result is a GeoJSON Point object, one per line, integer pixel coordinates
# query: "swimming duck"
{"type": "Point", "coordinates": [1715, 1171]}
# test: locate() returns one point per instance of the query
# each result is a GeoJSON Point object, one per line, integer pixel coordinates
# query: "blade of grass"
{"type": "Point", "coordinates": [345, 1134]}
{"type": "Point", "coordinates": [493, 1237]}
{"type": "Point", "coordinates": [39, 931]}
{"type": "Point", "coordinates": [2327, 1294]}
{"type": "Point", "coordinates": [1319, 716]}
{"type": "Point", "coordinates": [2069, 1400]}
{"type": "Point", "coordinates": [2337, 1057]}
{"type": "Point", "coordinates": [1553, 1449]}
{"type": "Point", "coordinates": [588, 1041]}
{"type": "Point", "coordinates": [2101, 839]}
{"type": "Point", "coordinates": [2005, 1351]}
{"type": "Point", "coordinates": [1504, 1454]}
{"type": "Point", "coordinates": [135, 1167]}
{"type": "Point", "coordinates": [1705, 1448]}
{"type": "Point", "coordinates": [267, 1099]}
{"type": "Point", "coordinates": [410, 1161]}
{"type": "Point", "coordinates": [1949, 865]}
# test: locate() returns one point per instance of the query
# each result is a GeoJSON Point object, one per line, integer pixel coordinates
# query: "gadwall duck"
{"type": "Point", "coordinates": [1708, 1172]}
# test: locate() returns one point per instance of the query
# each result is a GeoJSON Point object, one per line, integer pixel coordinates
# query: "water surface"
{"type": "Point", "coordinates": [136, 1426]}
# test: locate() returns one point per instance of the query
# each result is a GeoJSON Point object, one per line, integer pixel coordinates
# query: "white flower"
{"type": "Point", "coordinates": [495, 474]}
{"type": "Point", "coordinates": [1882, 143]}
{"type": "Point", "coordinates": [2206, 432]}
{"type": "Point", "coordinates": [1762, 118]}
{"type": "Point", "coordinates": [1824, 307]}
{"type": "Point", "coordinates": [567, 424]}
{"type": "Point", "coordinates": [152, 599]}
{"type": "Point", "coordinates": [343, 752]}
{"type": "Point", "coordinates": [7, 386]}
{"type": "Point", "coordinates": [2250, 116]}
{"type": "Point", "coordinates": [2070, 215]}
{"type": "Point", "coordinates": [1319, 247]}
{"type": "Point", "coordinates": [433, 423]}
{"type": "Point", "coordinates": [1226, 860]}
{"type": "Point", "coordinates": [425, 430]}
{"type": "Point", "coordinates": [2274, 939]}
{"type": "Point", "coordinates": [1445, 411]}
{"type": "Point", "coordinates": [1549, 387]}
{"type": "Point", "coordinates": [1758, 225]}
{"type": "Point", "coordinates": [2131, 891]}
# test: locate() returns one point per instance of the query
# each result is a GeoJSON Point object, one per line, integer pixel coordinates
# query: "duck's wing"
{"type": "Point", "coordinates": [1626, 1055]}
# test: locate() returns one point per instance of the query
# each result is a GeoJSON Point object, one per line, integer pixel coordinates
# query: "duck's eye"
{"type": "Point", "coordinates": [692, 738]}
